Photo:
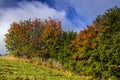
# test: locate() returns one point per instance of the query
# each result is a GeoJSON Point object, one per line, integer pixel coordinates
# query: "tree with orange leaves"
{"type": "Point", "coordinates": [33, 38]}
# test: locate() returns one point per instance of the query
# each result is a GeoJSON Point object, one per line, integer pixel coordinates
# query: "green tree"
{"type": "Point", "coordinates": [64, 51]}
{"type": "Point", "coordinates": [50, 37]}
{"type": "Point", "coordinates": [96, 49]}
{"type": "Point", "coordinates": [109, 45]}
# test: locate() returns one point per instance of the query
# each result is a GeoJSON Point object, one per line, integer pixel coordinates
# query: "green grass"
{"type": "Point", "coordinates": [18, 70]}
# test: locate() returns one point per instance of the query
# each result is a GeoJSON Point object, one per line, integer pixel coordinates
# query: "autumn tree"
{"type": "Point", "coordinates": [31, 38]}
{"type": "Point", "coordinates": [50, 37]}
{"type": "Point", "coordinates": [96, 48]}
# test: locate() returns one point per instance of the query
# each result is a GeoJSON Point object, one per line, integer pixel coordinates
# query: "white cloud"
{"type": "Point", "coordinates": [88, 9]}
{"type": "Point", "coordinates": [25, 11]}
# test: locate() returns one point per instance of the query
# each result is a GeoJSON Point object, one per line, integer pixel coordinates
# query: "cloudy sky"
{"type": "Point", "coordinates": [74, 14]}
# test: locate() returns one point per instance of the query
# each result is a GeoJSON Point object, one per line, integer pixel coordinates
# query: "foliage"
{"type": "Point", "coordinates": [94, 51]}
{"type": "Point", "coordinates": [109, 44]}
{"type": "Point", "coordinates": [64, 51]}
{"type": "Point", "coordinates": [33, 38]}
{"type": "Point", "coordinates": [96, 48]}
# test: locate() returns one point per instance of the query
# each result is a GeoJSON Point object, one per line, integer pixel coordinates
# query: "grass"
{"type": "Point", "coordinates": [15, 69]}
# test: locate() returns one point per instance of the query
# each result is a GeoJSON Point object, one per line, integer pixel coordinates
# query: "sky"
{"type": "Point", "coordinates": [74, 14]}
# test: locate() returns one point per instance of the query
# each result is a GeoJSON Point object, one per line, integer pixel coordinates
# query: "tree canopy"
{"type": "Point", "coordinates": [94, 51]}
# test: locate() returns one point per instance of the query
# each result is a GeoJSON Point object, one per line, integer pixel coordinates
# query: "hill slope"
{"type": "Point", "coordinates": [17, 70]}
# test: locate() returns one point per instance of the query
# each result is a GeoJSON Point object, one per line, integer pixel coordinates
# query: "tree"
{"type": "Point", "coordinates": [33, 38]}
{"type": "Point", "coordinates": [96, 48]}
{"type": "Point", "coordinates": [64, 51]}
{"type": "Point", "coordinates": [50, 37]}
{"type": "Point", "coordinates": [109, 44]}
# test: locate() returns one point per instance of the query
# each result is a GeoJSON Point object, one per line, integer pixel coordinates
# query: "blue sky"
{"type": "Point", "coordinates": [74, 14]}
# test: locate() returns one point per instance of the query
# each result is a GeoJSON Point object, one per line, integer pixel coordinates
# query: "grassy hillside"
{"type": "Point", "coordinates": [14, 69]}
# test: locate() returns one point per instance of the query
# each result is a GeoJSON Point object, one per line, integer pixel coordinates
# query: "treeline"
{"type": "Point", "coordinates": [94, 51]}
